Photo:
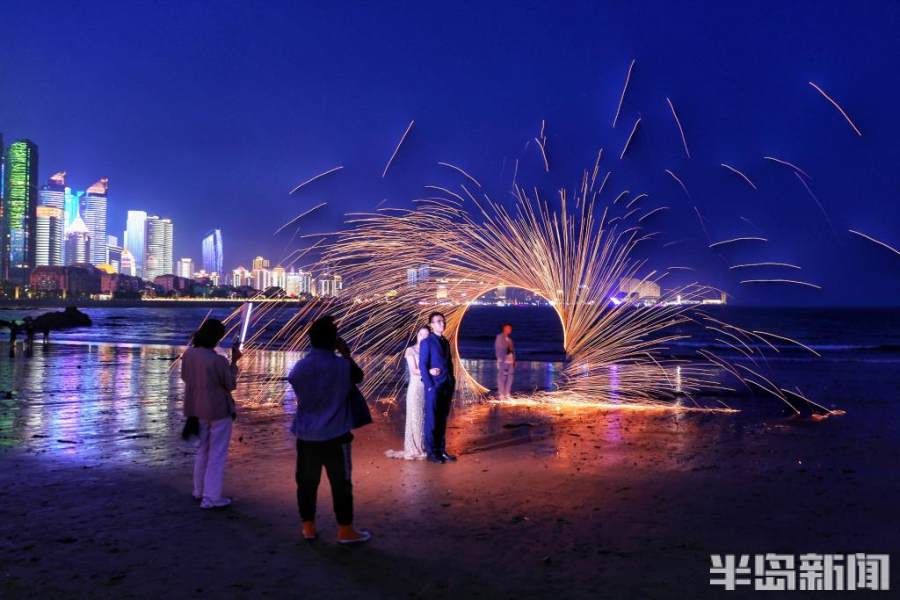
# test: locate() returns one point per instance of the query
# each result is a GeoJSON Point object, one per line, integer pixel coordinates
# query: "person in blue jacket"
{"type": "Point", "coordinates": [436, 368]}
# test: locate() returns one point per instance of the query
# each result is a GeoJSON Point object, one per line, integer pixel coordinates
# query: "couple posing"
{"type": "Point", "coordinates": [429, 394]}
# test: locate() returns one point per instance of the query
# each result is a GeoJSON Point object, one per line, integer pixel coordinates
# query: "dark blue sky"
{"type": "Point", "coordinates": [210, 112]}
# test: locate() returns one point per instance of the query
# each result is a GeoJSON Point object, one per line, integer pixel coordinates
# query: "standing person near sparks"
{"type": "Point", "coordinates": [322, 382]}
{"type": "Point", "coordinates": [505, 352]}
{"type": "Point", "coordinates": [436, 369]}
{"type": "Point", "coordinates": [209, 380]}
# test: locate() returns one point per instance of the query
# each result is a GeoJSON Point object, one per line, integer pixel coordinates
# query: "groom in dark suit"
{"type": "Point", "coordinates": [436, 367]}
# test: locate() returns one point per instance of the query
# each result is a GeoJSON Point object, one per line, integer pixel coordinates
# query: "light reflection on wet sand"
{"type": "Point", "coordinates": [101, 402]}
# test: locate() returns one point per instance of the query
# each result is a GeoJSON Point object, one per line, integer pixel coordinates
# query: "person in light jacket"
{"type": "Point", "coordinates": [505, 352]}
{"type": "Point", "coordinates": [209, 379]}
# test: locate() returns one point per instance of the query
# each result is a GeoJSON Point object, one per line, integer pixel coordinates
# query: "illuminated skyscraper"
{"type": "Point", "coordinates": [279, 277]}
{"type": "Point", "coordinates": [185, 268]}
{"type": "Point", "coordinates": [114, 251]}
{"type": "Point", "coordinates": [78, 243]}
{"type": "Point", "coordinates": [134, 238]}
{"type": "Point", "coordinates": [20, 202]}
{"type": "Point", "coordinates": [50, 226]}
{"type": "Point", "coordinates": [72, 206]}
{"type": "Point", "coordinates": [53, 193]}
{"type": "Point", "coordinates": [157, 248]}
{"type": "Point", "coordinates": [126, 265]}
{"type": "Point", "coordinates": [93, 211]}
{"type": "Point", "coordinates": [49, 236]}
{"type": "Point", "coordinates": [260, 263]}
{"type": "Point", "coordinates": [212, 252]}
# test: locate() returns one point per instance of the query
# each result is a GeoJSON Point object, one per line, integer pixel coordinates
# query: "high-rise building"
{"type": "Point", "coordinates": [262, 279]}
{"type": "Point", "coordinates": [78, 243]}
{"type": "Point", "coordinates": [127, 265]}
{"type": "Point", "coordinates": [157, 248]}
{"type": "Point", "coordinates": [72, 206]}
{"type": "Point", "coordinates": [412, 277]}
{"type": "Point", "coordinates": [114, 251]}
{"type": "Point", "coordinates": [49, 236]}
{"type": "Point", "coordinates": [292, 283]}
{"type": "Point", "coordinates": [279, 278]}
{"type": "Point", "coordinates": [185, 268]}
{"type": "Point", "coordinates": [306, 283]}
{"type": "Point", "coordinates": [50, 224]}
{"type": "Point", "coordinates": [93, 211]}
{"type": "Point", "coordinates": [212, 252]}
{"type": "Point", "coordinates": [241, 277]}
{"type": "Point", "coordinates": [20, 202]}
{"type": "Point", "coordinates": [260, 263]}
{"type": "Point", "coordinates": [326, 285]}
{"type": "Point", "coordinates": [53, 193]}
{"type": "Point", "coordinates": [136, 224]}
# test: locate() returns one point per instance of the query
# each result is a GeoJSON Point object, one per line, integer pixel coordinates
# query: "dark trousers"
{"type": "Point", "coordinates": [437, 409]}
{"type": "Point", "coordinates": [334, 455]}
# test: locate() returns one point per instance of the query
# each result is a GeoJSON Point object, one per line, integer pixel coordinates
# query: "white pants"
{"type": "Point", "coordinates": [505, 371]}
{"type": "Point", "coordinates": [209, 464]}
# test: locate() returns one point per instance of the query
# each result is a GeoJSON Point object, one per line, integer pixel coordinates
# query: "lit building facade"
{"type": "Point", "coordinates": [260, 263]}
{"type": "Point", "coordinates": [114, 253]}
{"type": "Point", "coordinates": [185, 268]}
{"type": "Point", "coordinates": [135, 231]}
{"type": "Point", "coordinates": [241, 277]}
{"type": "Point", "coordinates": [19, 204]}
{"type": "Point", "coordinates": [212, 251]}
{"type": "Point", "coordinates": [126, 265]}
{"type": "Point", "coordinates": [72, 206]}
{"type": "Point", "coordinates": [78, 243]}
{"type": "Point", "coordinates": [49, 236]}
{"type": "Point", "coordinates": [279, 278]}
{"type": "Point", "coordinates": [50, 222]}
{"type": "Point", "coordinates": [93, 212]}
{"type": "Point", "coordinates": [157, 248]}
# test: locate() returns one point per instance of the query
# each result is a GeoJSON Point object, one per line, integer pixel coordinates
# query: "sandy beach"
{"type": "Point", "coordinates": [95, 491]}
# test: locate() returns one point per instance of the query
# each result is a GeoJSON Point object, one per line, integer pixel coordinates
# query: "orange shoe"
{"type": "Point", "coordinates": [309, 531]}
{"type": "Point", "coordinates": [348, 535]}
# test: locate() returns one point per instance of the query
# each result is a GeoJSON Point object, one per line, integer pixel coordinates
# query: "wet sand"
{"type": "Point", "coordinates": [95, 491]}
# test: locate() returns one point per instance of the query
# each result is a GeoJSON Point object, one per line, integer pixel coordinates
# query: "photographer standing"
{"type": "Point", "coordinates": [323, 382]}
{"type": "Point", "coordinates": [209, 380]}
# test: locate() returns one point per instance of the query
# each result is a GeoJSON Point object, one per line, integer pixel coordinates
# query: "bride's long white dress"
{"type": "Point", "coordinates": [414, 438]}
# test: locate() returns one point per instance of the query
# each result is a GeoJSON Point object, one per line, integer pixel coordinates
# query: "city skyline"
{"type": "Point", "coordinates": [208, 154]}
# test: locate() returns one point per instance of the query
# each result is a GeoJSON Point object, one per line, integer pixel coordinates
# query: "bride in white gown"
{"type": "Point", "coordinates": [414, 440]}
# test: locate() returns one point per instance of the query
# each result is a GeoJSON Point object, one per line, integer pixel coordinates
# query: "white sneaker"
{"type": "Point", "coordinates": [220, 503]}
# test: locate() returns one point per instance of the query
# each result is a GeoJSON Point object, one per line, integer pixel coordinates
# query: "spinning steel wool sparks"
{"type": "Point", "coordinates": [571, 251]}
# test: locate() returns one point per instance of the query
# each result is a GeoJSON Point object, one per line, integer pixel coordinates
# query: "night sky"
{"type": "Point", "coordinates": [209, 113]}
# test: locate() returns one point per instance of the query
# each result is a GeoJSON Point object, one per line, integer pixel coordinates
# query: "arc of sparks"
{"type": "Point", "coordinates": [788, 164]}
{"type": "Point", "coordinates": [816, 199]}
{"type": "Point", "coordinates": [622, 194]}
{"type": "Point", "coordinates": [397, 149]}
{"type": "Point", "coordinates": [748, 238]}
{"type": "Point", "coordinates": [790, 281]}
{"type": "Point", "coordinates": [680, 128]}
{"type": "Point", "coordinates": [879, 242]}
{"type": "Point", "coordinates": [624, 89]}
{"type": "Point", "coordinates": [838, 107]}
{"type": "Point", "coordinates": [630, 137]}
{"type": "Point", "coordinates": [636, 199]}
{"type": "Point", "coordinates": [739, 174]}
{"type": "Point", "coordinates": [460, 171]}
{"type": "Point", "coordinates": [764, 264]}
{"type": "Point", "coordinates": [543, 150]}
{"type": "Point", "coordinates": [317, 177]}
{"type": "Point", "coordinates": [651, 213]}
{"type": "Point", "coordinates": [298, 217]}
{"type": "Point", "coordinates": [680, 182]}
